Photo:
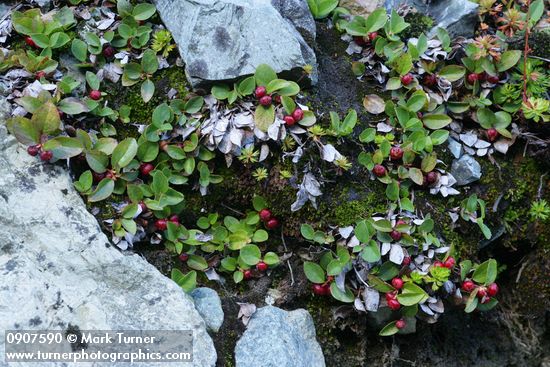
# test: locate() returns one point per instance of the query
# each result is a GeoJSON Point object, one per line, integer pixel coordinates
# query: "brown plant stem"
{"type": "Point", "coordinates": [526, 53]}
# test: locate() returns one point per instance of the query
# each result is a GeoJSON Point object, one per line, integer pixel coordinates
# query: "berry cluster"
{"type": "Point", "coordinates": [396, 153]}
{"type": "Point", "coordinates": [269, 220]}
{"type": "Point", "coordinates": [473, 77]}
{"type": "Point", "coordinates": [265, 100]}
{"type": "Point", "coordinates": [162, 224]}
{"type": "Point", "coordinates": [483, 293]}
{"type": "Point", "coordinates": [34, 150]}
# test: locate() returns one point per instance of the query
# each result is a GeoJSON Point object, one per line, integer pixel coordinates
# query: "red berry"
{"type": "Point", "coordinates": [438, 264]}
{"type": "Point", "coordinates": [395, 235]}
{"type": "Point", "coordinates": [30, 42]}
{"type": "Point", "coordinates": [492, 134]}
{"type": "Point", "coordinates": [485, 300]}
{"type": "Point", "coordinates": [174, 219]}
{"type": "Point", "coordinates": [482, 292]}
{"type": "Point", "coordinates": [481, 76]}
{"type": "Point", "coordinates": [261, 266]}
{"type": "Point", "coordinates": [406, 261]}
{"type": "Point", "coordinates": [265, 215]}
{"type": "Point", "coordinates": [400, 324]}
{"type": "Point", "coordinates": [372, 36]}
{"type": "Point", "coordinates": [183, 256]}
{"type": "Point", "coordinates": [39, 75]}
{"type": "Point", "coordinates": [289, 120]}
{"type": "Point", "coordinates": [46, 155]}
{"type": "Point", "coordinates": [33, 150]}
{"type": "Point", "coordinates": [407, 79]}
{"type": "Point", "coordinates": [265, 101]}
{"type": "Point", "coordinates": [272, 223]}
{"type": "Point", "coordinates": [431, 177]}
{"type": "Point", "coordinates": [449, 263]}
{"type": "Point", "coordinates": [146, 168]}
{"type": "Point", "coordinates": [390, 296]}
{"type": "Point", "coordinates": [400, 222]}
{"type": "Point", "coordinates": [360, 41]}
{"type": "Point", "coordinates": [260, 92]}
{"type": "Point", "coordinates": [247, 274]}
{"type": "Point", "coordinates": [397, 283]}
{"type": "Point", "coordinates": [326, 289]}
{"type": "Point", "coordinates": [430, 80]}
{"type": "Point", "coordinates": [108, 51]}
{"type": "Point", "coordinates": [95, 95]}
{"type": "Point", "coordinates": [394, 304]}
{"type": "Point", "coordinates": [396, 153]}
{"type": "Point", "coordinates": [468, 285]}
{"type": "Point", "coordinates": [298, 114]}
{"type": "Point", "coordinates": [472, 78]}
{"type": "Point", "coordinates": [318, 289]}
{"type": "Point", "coordinates": [379, 170]}
{"type": "Point", "coordinates": [277, 99]}
{"type": "Point", "coordinates": [492, 289]}
{"type": "Point", "coordinates": [493, 79]}
{"type": "Point", "coordinates": [160, 224]}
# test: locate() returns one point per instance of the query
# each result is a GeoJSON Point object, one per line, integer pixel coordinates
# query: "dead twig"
{"type": "Point", "coordinates": [233, 210]}
{"type": "Point", "coordinates": [288, 261]}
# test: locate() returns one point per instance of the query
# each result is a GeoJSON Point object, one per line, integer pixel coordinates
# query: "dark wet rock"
{"type": "Point", "coordinates": [275, 337]}
{"type": "Point", "coordinates": [223, 39]}
{"type": "Point", "coordinates": [458, 17]}
{"type": "Point", "coordinates": [466, 170]}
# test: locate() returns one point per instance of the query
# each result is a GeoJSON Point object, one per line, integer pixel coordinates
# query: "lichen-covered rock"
{"type": "Point", "coordinates": [209, 305]}
{"type": "Point", "coordinates": [466, 170]}
{"type": "Point", "coordinates": [275, 337]}
{"type": "Point", "coordinates": [361, 7]}
{"type": "Point", "coordinates": [226, 39]}
{"type": "Point", "coordinates": [298, 13]}
{"type": "Point", "coordinates": [58, 268]}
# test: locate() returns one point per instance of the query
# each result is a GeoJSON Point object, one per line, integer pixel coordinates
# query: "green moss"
{"type": "Point", "coordinates": [165, 80]}
{"type": "Point", "coordinates": [419, 23]}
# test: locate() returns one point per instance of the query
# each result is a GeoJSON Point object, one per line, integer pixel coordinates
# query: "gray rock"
{"type": "Point", "coordinates": [226, 39]}
{"type": "Point", "coordinates": [275, 337]}
{"type": "Point", "coordinates": [465, 170]}
{"type": "Point", "coordinates": [209, 305]}
{"type": "Point", "coordinates": [455, 148]}
{"type": "Point", "coordinates": [458, 17]}
{"type": "Point", "coordinates": [58, 268]}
